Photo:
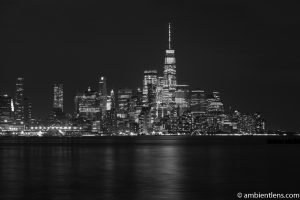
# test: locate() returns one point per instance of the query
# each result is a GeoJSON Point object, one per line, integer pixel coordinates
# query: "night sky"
{"type": "Point", "coordinates": [247, 50]}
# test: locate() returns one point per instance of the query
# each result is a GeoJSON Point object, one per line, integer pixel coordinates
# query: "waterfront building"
{"type": "Point", "coordinates": [58, 97]}
{"type": "Point", "coordinates": [228, 126]}
{"type": "Point", "coordinates": [6, 111]}
{"type": "Point", "coordinates": [260, 123]}
{"type": "Point", "coordinates": [184, 123]}
{"type": "Point", "coordinates": [19, 101]}
{"type": "Point", "coordinates": [27, 112]}
{"type": "Point", "coordinates": [57, 114]}
{"type": "Point", "coordinates": [246, 124]}
{"type": "Point", "coordinates": [199, 122]}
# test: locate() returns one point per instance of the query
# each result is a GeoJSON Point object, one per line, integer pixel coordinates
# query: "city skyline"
{"type": "Point", "coordinates": [236, 90]}
{"type": "Point", "coordinates": [162, 106]}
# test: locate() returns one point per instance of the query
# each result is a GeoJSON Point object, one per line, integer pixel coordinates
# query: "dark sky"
{"type": "Point", "coordinates": [247, 50]}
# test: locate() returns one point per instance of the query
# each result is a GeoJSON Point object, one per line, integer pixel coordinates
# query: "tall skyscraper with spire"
{"type": "Point", "coordinates": [165, 92]}
{"type": "Point", "coordinates": [170, 65]}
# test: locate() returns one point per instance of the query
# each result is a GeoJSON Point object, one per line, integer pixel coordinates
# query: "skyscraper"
{"type": "Point", "coordinates": [149, 84]}
{"type": "Point", "coordinates": [110, 123]}
{"type": "Point", "coordinates": [19, 101]}
{"type": "Point", "coordinates": [123, 99]}
{"type": "Point", "coordinates": [123, 108]}
{"type": "Point", "coordinates": [198, 101]}
{"type": "Point", "coordinates": [102, 86]}
{"type": "Point", "coordinates": [181, 98]}
{"type": "Point", "coordinates": [166, 92]}
{"type": "Point", "coordinates": [159, 97]}
{"type": "Point", "coordinates": [27, 111]}
{"type": "Point", "coordinates": [58, 97]}
{"type": "Point", "coordinates": [87, 105]}
{"type": "Point", "coordinates": [103, 94]}
{"type": "Point", "coordinates": [111, 101]}
{"type": "Point", "coordinates": [170, 65]}
{"type": "Point", "coordinates": [214, 104]}
{"type": "Point", "coordinates": [6, 110]}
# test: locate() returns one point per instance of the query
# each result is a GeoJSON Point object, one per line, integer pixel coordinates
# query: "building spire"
{"type": "Point", "coordinates": [169, 35]}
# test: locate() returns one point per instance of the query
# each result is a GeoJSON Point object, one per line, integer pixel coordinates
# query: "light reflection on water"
{"type": "Point", "coordinates": [168, 169]}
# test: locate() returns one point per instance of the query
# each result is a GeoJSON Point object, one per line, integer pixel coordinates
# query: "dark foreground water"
{"type": "Point", "coordinates": [146, 168]}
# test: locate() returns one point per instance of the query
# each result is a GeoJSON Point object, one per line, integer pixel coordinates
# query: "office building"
{"type": "Point", "coordinates": [27, 112]}
{"type": "Point", "coordinates": [181, 98]}
{"type": "Point", "coordinates": [58, 97]}
{"type": "Point", "coordinates": [103, 94]}
{"type": "Point", "coordinates": [6, 109]}
{"type": "Point", "coordinates": [166, 92]}
{"type": "Point", "coordinates": [87, 105]}
{"type": "Point", "coordinates": [170, 65]}
{"type": "Point", "coordinates": [19, 101]}
{"type": "Point", "coordinates": [198, 101]}
{"type": "Point", "coordinates": [123, 102]}
{"type": "Point", "coordinates": [149, 84]}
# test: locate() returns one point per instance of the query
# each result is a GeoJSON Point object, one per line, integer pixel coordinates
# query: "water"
{"type": "Point", "coordinates": [147, 168]}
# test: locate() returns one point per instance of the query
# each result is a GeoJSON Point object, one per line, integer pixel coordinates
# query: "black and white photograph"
{"type": "Point", "coordinates": [149, 99]}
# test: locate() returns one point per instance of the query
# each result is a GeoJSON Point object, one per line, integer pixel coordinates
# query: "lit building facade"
{"type": "Point", "coordinates": [159, 98]}
{"type": "Point", "coordinates": [214, 104]}
{"type": "Point", "coordinates": [167, 86]}
{"type": "Point", "coordinates": [136, 105]}
{"type": "Point", "coordinates": [123, 108]}
{"type": "Point", "coordinates": [149, 84]}
{"type": "Point", "coordinates": [124, 96]}
{"type": "Point", "coordinates": [109, 123]}
{"type": "Point", "coordinates": [170, 65]}
{"type": "Point", "coordinates": [58, 97]}
{"type": "Point", "coordinates": [145, 122]}
{"type": "Point", "coordinates": [27, 112]}
{"type": "Point", "coordinates": [19, 101]}
{"type": "Point", "coordinates": [182, 98]}
{"type": "Point", "coordinates": [87, 105]}
{"type": "Point", "coordinates": [198, 101]}
{"type": "Point", "coordinates": [57, 114]}
{"type": "Point", "coordinates": [103, 94]}
{"type": "Point", "coordinates": [6, 110]}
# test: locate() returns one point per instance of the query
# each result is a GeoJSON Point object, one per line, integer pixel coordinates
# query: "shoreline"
{"type": "Point", "coordinates": [143, 139]}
